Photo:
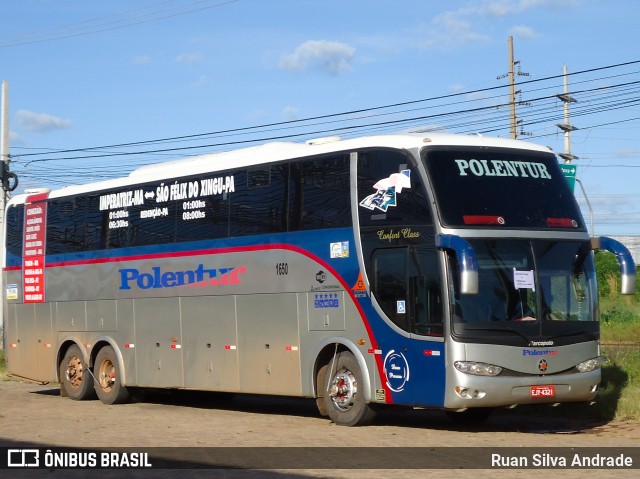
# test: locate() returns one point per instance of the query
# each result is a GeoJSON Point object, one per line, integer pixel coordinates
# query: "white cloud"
{"type": "Point", "coordinates": [142, 60]}
{"type": "Point", "coordinates": [509, 7]}
{"type": "Point", "coordinates": [331, 57]}
{"type": "Point", "coordinates": [41, 122]}
{"type": "Point", "coordinates": [189, 58]}
{"type": "Point", "coordinates": [15, 138]}
{"type": "Point", "coordinates": [256, 115]}
{"type": "Point", "coordinates": [290, 113]}
{"type": "Point", "coordinates": [201, 82]}
{"type": "Point", "coordinates": [454, 28]}
{"type": "Point", "coordinates": [522, 31]}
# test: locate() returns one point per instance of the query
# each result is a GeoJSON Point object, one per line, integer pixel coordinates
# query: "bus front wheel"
{"type": "Point", "coordinates": [75, 375]}
{"type": "Point", "coordinates": [107, 371]}
{"type": "Point", "coordinates": [344, 393]}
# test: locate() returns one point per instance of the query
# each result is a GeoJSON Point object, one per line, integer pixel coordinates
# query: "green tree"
{"type": "Point", "coordinates": [608, 274]}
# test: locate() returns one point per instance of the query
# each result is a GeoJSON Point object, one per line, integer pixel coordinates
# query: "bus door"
{"type": "Point", "coordinates": [406, 285]}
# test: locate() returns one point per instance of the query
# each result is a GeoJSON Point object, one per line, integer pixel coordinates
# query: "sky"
{"type": "Point", "coordinates": [98, 88]}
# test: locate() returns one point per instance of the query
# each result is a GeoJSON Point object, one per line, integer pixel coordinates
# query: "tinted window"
{"type": "Point", "coordinates": [389, 284]}
{"type": "Point", "coordinates": [320, 193]}
{"type": "Point", "coordinates": [66, 225]}
{"type": "Point", "coordinates": [390, 191]}
{"type": "Point", "coordinates": [501, 188]}
{"type": "Point", "coordinates": [96, 223]}
{"type": "Point", "coordinates": [259, 203]}
{"type": "Point", "coordinates": [266, 199]}
{"type": "Point", "coordinates": [152, 226]}
{"type": "Point", "coordinates": [192, 226]}
{"type": "Point", "coordinates": [15, 221]}
{"type": "Point", "coordinates": [406, 284]}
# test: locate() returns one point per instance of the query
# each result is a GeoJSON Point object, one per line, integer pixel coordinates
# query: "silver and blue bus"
{"type": "Point", "coordinates": [418, 270]}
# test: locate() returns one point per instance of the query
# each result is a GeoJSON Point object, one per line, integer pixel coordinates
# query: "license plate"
{"type": "Point", "coordinates": [542, 391]}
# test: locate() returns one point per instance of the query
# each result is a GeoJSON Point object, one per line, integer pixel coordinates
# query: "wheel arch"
{"type": "Point", "coordinates": [64, 346]}
{"type": "Point", "coordinates": [325, 352]}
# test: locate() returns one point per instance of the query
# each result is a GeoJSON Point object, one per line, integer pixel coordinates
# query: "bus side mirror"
{"type": "Point", "coordinates": [627, 265]}
{"type": "Point", "coordinates": [466, 260]}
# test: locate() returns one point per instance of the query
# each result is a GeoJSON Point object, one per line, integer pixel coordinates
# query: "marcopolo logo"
{"type": "Point", "coordinates": [543, 365]}
{"type": "Point", "coordinates": [157, 278]}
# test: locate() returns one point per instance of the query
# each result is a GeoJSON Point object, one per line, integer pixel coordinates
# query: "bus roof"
{"type": "Point", "coordinates": [277, 151]}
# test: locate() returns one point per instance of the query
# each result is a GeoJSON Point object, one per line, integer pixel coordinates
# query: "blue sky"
{"type": "Point", "coordinates": [88, 74]}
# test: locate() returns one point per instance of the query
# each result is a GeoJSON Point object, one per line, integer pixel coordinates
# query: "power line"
{"type": "Point", "coordinates": [454, 112]}
{"type": "Point", "coordinates": [290, 123]}
{"type": "Point", "coordinates": [109, 22]}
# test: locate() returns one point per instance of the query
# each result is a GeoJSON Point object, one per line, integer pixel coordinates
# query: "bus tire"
{"type": "Point", "coordinates": [75, 376]}
{"type": "Point", "coordinates": [107, 371]}
{"type": "Point", "coordinates": [344, 393]}
{"type": "Point", "coordinates": [321, 387]}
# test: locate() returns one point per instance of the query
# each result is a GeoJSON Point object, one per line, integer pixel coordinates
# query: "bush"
{"type": "Point", "coordinates": [617, 315]}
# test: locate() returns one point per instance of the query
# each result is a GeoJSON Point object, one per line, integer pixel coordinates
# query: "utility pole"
{"type": "Point", "coordinates": [4, 148]}
{"type": "Point", "coordinates": [569, 169]}
{"type": "Point", "coordinates": [513, 115]}
{"type": "Point", "coordinates": [4, 153]}
{"type": "Point", "coordinates": [513, 123]}
{"type": "Point", "coordinates": [566, 127]}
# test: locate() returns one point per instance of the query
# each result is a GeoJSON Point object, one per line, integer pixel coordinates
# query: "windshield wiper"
{"type": "Point", "coordinates": [583, 332]}
{"type": "Point", "coordinates": [494, 329]}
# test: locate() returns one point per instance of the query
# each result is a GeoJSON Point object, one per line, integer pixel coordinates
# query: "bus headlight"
{"type": "Point", "coordinates": [591, 364]}
{"type": "Point", "coordinates": [478, 369]}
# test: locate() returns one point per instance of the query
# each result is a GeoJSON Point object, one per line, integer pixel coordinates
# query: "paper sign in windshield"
{"type": "Point", "coordinates": [523, 279]}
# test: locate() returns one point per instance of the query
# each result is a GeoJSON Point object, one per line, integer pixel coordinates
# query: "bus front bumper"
{"type": "Point", "coordinates": [467, 391]}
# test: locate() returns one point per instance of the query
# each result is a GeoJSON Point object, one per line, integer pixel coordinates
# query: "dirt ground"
{"type": "Point", "coordinates": [35, 415]}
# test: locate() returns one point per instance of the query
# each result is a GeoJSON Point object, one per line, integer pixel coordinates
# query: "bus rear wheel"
{"type": "Point", "coordinates": [75, 376]}
{"type": "Point", "coordinates": [344, 393]}
{"type": "Point", "coordinates": [107, 371]}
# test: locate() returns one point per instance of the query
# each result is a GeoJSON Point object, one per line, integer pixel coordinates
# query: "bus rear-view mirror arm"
{"type": "Point", "coordinates": [625, 259]}
{"type": "Point", "coordinates": [466, 260]}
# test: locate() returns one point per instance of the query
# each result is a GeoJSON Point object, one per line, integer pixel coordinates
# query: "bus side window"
{"type": "Point", "coordinates": [406, 286]}
{"type": "Point", "coordinates": [65, 225]}
{"type": "Point", "coordinates": [425, 289]}
{"type": "Point", "coordinates": [258, 205]}
{"type": "Point", "coordinates": [426, 312]}
{"type": "Point", "coordinates": [410, 207]}
{"type": "Point", "coordinates": [319, 193]}
{"type": "Point", "coordinates": [15, 222]}
{"type": "Point", "coordinates": [94, 226]}
{"type": "Point", "coordinates": [389, 285]}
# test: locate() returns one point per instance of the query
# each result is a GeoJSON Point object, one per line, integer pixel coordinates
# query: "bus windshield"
{"type": "Point", "coordinates": [517, 189]}
{"type": "Point", "coordinates": [528, 291]}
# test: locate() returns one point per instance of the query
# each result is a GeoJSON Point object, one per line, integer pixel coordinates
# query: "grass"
{"type": "Point", "coordinates": [620, 338]}
{"type": "Point", "coordinates": [620, 387]}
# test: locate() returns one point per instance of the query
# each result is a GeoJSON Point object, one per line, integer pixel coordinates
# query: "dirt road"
{"type": "Point", "coordinates": [32, 414]}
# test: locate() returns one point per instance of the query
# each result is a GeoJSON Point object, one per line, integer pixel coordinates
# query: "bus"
{"type": "Point", "coordinates": [417, 270]}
